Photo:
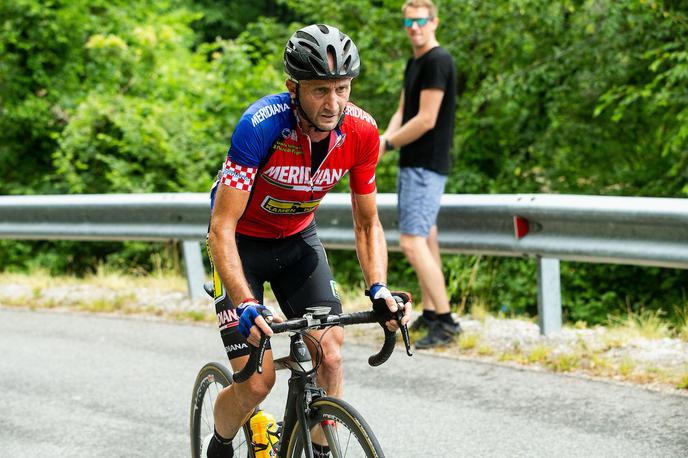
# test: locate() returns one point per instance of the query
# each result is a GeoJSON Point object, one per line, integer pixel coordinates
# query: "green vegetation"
{"type": "Point", "coordinates": [556, 96]}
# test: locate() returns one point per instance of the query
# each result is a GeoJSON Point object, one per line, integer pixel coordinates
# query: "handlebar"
{"type": "Point", "coordinates": [320, 318]}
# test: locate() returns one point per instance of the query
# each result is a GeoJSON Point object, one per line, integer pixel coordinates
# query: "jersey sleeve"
{"type": "Point", "coordinates": [251, 142]}
{"type": "Point", "coordinates": [362, 175]}
{"type": "Point", "coordinates": [244, 157]}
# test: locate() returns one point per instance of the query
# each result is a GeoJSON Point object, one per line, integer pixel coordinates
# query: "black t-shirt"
{"type": "Point", "coordinates": [433, 70]}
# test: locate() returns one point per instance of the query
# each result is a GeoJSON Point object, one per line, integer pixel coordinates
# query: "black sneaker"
{"type": "Point", "coordinates": [421, 324]}
{"type": "Point", "coordinates": [439, 334]}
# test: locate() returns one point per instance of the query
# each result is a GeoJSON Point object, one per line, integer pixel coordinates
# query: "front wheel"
{"type": "Point", "coordinates": [348, 435]}
{"type": "Point", "coordinates": [212, 379]}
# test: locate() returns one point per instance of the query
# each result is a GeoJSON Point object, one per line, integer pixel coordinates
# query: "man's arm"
{"type": "Point", "coordinates": [423, 121]}
{"type": "Point", "coordinates": [371, 246]}
{"type": "Point", "coordinates": [394, 124]}
{"type": "Point", "coordinates": [229, 205]}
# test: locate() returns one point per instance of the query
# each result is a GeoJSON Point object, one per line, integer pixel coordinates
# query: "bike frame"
{"type": "Point", "coordinates": [303, 389]}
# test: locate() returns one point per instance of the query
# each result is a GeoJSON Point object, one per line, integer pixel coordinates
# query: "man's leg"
{"type": "Point", "coordinates": [236, 403]}
{"type": "Point", "coordinates": [420, 194]}
{"type": "Point", "coordinates": [330, 374]}
{"type": "Point", "coordinates": [433, 246]}
{"type": "Point", "coordinates": [443, 329]}
{"type": "Point", "coordinates": [306, 281]}
{"type": "Point", "coordinates": [429, 272]}
{"type": "Point", "coordinates": [426, 299]}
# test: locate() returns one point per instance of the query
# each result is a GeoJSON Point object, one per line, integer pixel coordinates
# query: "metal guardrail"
{"type": "Point", "coordinates": [620, 230]}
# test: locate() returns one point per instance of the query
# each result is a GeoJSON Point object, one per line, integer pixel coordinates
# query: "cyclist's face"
{"type": "Point", "coordinates": [324, 100]}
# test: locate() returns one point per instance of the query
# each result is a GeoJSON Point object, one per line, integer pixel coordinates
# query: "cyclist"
{"type": "Point", "coordinates": [287, 151]}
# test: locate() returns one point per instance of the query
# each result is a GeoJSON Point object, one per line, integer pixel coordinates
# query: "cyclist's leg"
{"type": "Point", "coordinates": [305, 282]}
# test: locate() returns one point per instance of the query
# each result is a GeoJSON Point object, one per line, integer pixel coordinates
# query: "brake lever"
{"type": "Point", "coordinates": [402, 327]}
{"type": "Point", "coordinates": [267, 316]}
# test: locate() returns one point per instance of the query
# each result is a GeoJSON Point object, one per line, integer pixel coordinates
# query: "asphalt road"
{"type": "Point", "coordinates": [76, 385]}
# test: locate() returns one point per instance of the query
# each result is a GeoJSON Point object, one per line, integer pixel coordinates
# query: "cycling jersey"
{"type": "Point", "coordinates": [270, 157]}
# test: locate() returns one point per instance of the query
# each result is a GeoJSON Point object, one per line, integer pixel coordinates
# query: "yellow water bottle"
{"type": "Point", "coordinates": [263, 434]}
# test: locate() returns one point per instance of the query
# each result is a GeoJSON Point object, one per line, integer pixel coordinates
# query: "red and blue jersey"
{"type": "Point", "coordinates": [270, 157]}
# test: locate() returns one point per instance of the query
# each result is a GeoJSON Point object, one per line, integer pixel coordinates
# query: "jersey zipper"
{"type": "Point", "coordinates": [333, 144]}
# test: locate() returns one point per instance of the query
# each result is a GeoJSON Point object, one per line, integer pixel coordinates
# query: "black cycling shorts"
{"type": "Point", "coordinates": [297, 270]}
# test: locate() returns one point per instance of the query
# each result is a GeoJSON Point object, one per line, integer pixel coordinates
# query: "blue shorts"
{"type": "Point", "coordinates": [420, 191]}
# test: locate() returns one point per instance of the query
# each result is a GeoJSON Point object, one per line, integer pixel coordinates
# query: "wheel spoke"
{"type": "Point", "coordinates": [346, 433]}
{"type": "Point", "coordinates": [212, 379]}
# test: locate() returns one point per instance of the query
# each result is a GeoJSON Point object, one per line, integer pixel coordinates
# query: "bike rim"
{"type": "Point", "coordinates": [346, 434]}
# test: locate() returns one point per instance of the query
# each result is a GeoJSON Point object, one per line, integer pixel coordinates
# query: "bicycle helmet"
{"type": "Point", "coordinates": [305, 56]}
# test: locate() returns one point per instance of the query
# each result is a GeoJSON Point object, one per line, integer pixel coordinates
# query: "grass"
{"type": "Point", "coordinates": [626, 366]}
{"type": "Point", "coordinates": [683, 381]}
{"type": "Point", "coordinates": [603, 356]}
{"type": "Point", "coordinates": [468, 341]}
{"type": "Point", "coordinates": [39, 280]}
{"type": "Point", "coordinates": [539, 354]}
{"type": "Point", "coordinates": [646, 324]}
{"type": "Point", "coordinates": [118, 297]}
{"type": "Point", "coordinates": [681, 321]}
{"type": "Point", "coordinates": [564, 362]}
{"type": "Point", "coordinates": [480, 311]}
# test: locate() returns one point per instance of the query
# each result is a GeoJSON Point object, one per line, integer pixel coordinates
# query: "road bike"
{"type": "Point", "coordinates": [347, 433]}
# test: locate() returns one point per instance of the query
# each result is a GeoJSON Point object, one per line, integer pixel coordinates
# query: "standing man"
{"type": "Point", "coordinates": [422, 127]}
{"type": "Point", "coordinates": [287, 151]}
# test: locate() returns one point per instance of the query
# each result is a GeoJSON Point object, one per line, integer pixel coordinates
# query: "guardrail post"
{"type": "Point", "coordinates": [193, 264]}
{"type": "Point", "coordinates": [549, 295]}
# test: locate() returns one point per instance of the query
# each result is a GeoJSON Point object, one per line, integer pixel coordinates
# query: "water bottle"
{"type": "Point", "coordinates": [263, 434]}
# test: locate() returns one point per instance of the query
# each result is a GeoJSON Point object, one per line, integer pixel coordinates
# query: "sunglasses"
{"type": "Point", "coordinates": [421, 21]}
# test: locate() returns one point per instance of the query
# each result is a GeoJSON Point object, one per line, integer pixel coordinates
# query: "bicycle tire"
{"type": "Point", "coordinates": [211, 379]}
{"type": "Point", "coordinates": [344, 415]}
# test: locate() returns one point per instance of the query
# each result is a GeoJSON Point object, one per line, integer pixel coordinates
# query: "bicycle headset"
{"type": "Point", "coordinates": [305, 58]}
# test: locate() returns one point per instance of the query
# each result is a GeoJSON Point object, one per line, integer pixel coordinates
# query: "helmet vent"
{"type": "Point", "coordinates": [306, 36]}
{"type": "Point", "coordinates": [311, 49]}
{"type": "Point", "coordinates": [347, 64]}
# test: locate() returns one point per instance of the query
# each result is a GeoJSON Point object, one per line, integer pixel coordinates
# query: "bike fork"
{"type": "Point", "coordinates": [305, 433]}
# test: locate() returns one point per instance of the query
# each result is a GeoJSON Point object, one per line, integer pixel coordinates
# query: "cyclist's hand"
{"type": "Point", "coordinates": [252, 321]}
{"type": "Point", "coordinates": [407, 306]}
{"type": "Point", "coordinates": [380, 291]}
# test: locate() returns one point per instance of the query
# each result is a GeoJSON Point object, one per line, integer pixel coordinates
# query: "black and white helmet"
{"type": "Point", "coordinates": [305, 57]}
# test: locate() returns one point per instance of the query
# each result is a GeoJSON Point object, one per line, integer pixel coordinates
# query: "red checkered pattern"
{"type": "Point", "coordinates": [238, 176]}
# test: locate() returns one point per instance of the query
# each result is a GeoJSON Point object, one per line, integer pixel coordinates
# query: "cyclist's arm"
{"type": "Point", "coordinates": [230, 204]}
{"type": "Point", "coordinates": [371, 246]}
